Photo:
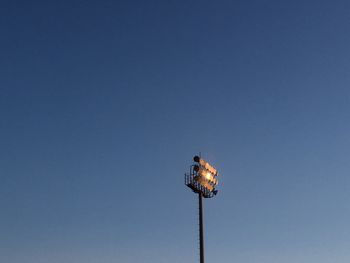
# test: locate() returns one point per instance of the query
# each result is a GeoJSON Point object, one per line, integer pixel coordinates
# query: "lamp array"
{"type": "Point", "coordinates": [206, 175]}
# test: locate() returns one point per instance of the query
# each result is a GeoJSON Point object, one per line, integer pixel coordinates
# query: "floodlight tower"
{"type": "Point", "coordinates": [202, 179]}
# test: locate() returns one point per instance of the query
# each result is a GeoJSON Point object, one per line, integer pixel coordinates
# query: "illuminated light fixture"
{"type": "Point", "coordinates": [205, 164]}
{"type": "Point", "coordinates": [206, 174]}
{"type": "Point", "coordinates": [202, 179]}
{"type": "Point", "coordinates": [203, 182]}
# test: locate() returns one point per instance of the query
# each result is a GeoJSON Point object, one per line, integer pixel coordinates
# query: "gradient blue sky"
{"type": "Point", "coordinates": [104, 103]}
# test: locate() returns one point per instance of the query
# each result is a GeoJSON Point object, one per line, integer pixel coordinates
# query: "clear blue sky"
{"type": "Point", "coordinates": [104, 103]}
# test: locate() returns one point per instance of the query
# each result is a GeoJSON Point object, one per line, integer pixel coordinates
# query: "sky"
{"type": "Point", "coordinates": [103, 104]}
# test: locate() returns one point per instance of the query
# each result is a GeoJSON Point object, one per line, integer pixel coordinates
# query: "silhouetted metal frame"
{"type": "Point", "coordinates": [196, 186]}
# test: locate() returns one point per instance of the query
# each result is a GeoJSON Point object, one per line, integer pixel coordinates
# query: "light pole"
{"type": "Point", "coordinates": [202, 179]}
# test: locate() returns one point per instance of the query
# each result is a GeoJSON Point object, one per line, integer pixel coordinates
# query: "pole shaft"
{"type": "Point", "coordinates": [201, 235]}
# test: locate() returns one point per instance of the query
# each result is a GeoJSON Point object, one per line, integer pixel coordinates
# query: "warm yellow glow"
{"type": "Point", "coordinates": [208, 167]}
{"type": "Point", "coordinates": [204, 183]}
{"type": "Point", "coordinates": [208, 176]}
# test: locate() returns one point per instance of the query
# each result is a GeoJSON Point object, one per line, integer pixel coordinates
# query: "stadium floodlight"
{"type": "Point", "coordinates": [202, 179]}
{"type": "Point", "coordinates": [203, 173]}
{"type": "Point", "coordinates": [205, 164]}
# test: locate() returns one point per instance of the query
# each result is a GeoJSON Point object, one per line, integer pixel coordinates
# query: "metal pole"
{"type": "Point", "coordinates": [201, 236]}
